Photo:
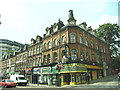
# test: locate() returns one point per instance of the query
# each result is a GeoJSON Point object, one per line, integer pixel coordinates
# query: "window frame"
{"type": "Point", "coordinates": [81, 39]}
{"type": "Point", "coordinates": [49, 44]}
{"type": "Point", "coordinates": [63, 39]}
{"type": "Point", "coordinates": [55, 42]}
{"type": "Point", "coordinates": [73, 56]}
{"type": "Point", "coordinates": [73, 39]}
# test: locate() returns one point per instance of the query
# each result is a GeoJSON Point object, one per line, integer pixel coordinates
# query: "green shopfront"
{"type": "Point", "coordinates": [49, 75]}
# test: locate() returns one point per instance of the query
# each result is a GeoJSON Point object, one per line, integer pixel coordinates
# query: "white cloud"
{"type": "Point", "coordinates": [104, 19]}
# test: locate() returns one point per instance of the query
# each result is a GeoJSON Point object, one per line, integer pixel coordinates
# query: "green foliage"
{"type": "Point", "coordinates": [116, 62]}
{"type": "Point", "coordinates": [111, 34]}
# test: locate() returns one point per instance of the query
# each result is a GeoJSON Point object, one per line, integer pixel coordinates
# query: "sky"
{"type": "Point", "coordinates": [25, 19]}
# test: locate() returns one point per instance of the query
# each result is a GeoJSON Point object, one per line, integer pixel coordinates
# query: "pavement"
{"type": "Point", "coordinates": [104, 82]}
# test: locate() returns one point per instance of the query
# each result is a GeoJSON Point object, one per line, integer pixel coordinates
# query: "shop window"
{"type": "Point", "coordinates": [73, 78]}
{"type": "Point", "coordinates": [73, 54]}
{"type": "Point", "coordinates": [63, 39]}
{"type": "Point", "coordinates": [72, 38]}
{"type": "Point", "coordinates": [45, 78]}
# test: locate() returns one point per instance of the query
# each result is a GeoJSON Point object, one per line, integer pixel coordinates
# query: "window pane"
{"type": "Point", "coordinates": [49, 44]}
{"type": "Point", "coordinates": [63, 39]}
{"type": "Point", "coordinates": [45, 46]}
{"type": "Point", "coordinates": [72, 38]}
{"type": "Point", "coordinates": [74, 54]}
{"type": "Point", "coordinates": [55, 42]}
{"type": "Point", "coordinates": [81, 39]}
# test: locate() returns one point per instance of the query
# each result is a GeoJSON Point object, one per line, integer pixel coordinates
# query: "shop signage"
{"type": "Point", "coordinates": [46, 70]}
{"type": "Point", "coordinates": [36, 71]}
{"type": "Point", "coordinates": [93, 67]}
{"type": "Point", "coordinates": [11, 72]}
{"type": "Point", "coordinates": [28, 70]}
{"type": "Point", "coordinates": [54, 70]}
{"type": "Point", "coordinates": [73, 67]}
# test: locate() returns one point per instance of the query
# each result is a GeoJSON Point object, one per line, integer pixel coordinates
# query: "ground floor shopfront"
{"type": "Point", "coordinates": [64, 74]}
{"type": "Point", "coordinates": [76, 73]}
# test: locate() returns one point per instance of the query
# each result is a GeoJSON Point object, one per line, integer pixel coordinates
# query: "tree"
{"type": "Point", "coordinates": [111, 34]}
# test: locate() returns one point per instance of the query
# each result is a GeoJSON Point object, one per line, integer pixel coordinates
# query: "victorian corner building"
{"type": "Point", "coordinates": [65, 55]}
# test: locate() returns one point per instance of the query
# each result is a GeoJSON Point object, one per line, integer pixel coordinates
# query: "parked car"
{"type": "Point", "coordinates": [7, 83]}
{"type": "Point", "coordinates": [19, 79]}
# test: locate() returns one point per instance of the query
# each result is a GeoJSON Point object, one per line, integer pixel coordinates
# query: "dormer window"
{"type": "Point", "coordinates": [38, 38]}
{"type": "Point", "coordinates": [32, 41]}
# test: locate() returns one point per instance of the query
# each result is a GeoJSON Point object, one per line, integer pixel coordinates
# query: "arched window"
{"type": "Point", "coordinates": [49, 44]}
{"type": "Point", "coordinates": [45, 46]}
{"type": "Point", "coordinates": [73, 54]}
{"type": "Point", "coordinates": [44, 59]}
{"type": "Point", "coordinates": [63, 53]}
{"type": "Point", "coordinates": [55, 57]}
{"type": "Point", "coordinates": [55, 42]}
{"type": "Point", "coordinates": [63, 39]}
{"type": "Point", "coordinates": [72, 38]}
{"type": "Point", "coordinates": [81, 56]}
{"type": "Point", "coordinates": [48, 58]}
